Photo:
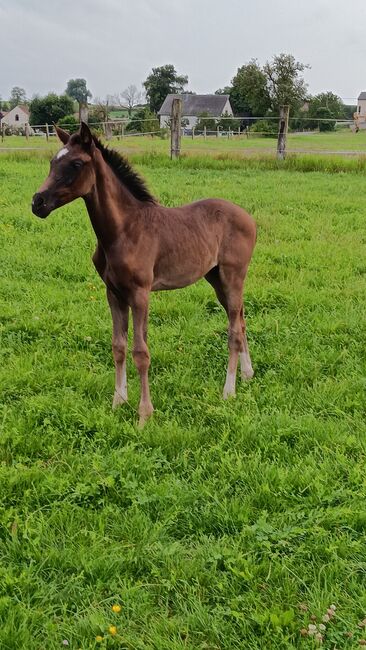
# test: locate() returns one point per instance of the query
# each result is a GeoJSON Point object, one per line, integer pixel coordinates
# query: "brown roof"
{"type": "Point", "coordinates": [24, 108]}
{"type": "Point", "coordinates": [196, 104]}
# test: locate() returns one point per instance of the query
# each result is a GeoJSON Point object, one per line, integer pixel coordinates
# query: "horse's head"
{"type": "Point", "coordinates": [71, 174]}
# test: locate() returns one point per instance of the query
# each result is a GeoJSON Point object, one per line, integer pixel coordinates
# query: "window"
{"type": "Point", "coordinates": [17, 117]}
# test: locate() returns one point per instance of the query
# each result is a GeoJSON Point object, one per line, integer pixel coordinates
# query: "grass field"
{"type": "Point", "coordinates": [340, 141]}
{"type": "Point", "coordinates": [221, 525]}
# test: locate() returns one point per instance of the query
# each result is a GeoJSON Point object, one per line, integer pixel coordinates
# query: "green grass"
{"type": "Point", "coordinates": [340, 141]}
{"type": "Point", "coordinates": [217, 521]}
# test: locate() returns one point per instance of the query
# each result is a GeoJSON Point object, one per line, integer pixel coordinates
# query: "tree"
{"type": "Point", "coordinates": [45, 110]}
{"type": "Point", "coordinates": [249, 93]}
{"type": "Point", "coordinates": [327, 100]}
{"type": "Point", "coordinates": [102, 108]}
{"type": "Point", "coordinates": [349, 110]}
{"type": "Point", "coordinates": [17, 96]}
{"type": "Point", "coordinates": [223, 91]}
{"type": "Point", "coordinates": [285, 85]}
{"type": "Point", "coordinates": [4, 106]}
{"type": "Point", "coordinates": [228, 123]}
{"type": "Point", "coordinates": [76, 88]}
{"type": "Point", "coordinates": [160, 83]}
{"type": "Point", "coordinates": [205, 120]}
{"type": "Point", "coordinates": [130, 98]}
{"type": "Point", "coordinates": [325, 124]}
{"type": "Point", "coordinates": [143, 121]}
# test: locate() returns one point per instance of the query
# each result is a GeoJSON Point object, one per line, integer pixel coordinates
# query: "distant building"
{"type": "Point", "coordinates": [361, 104]}
{"type": "Point", "coordinates": [18, 117]}
{"type": "Point", "coordinates": [360, 115]}
{"type": "Point", "coordinates": [194, 106]}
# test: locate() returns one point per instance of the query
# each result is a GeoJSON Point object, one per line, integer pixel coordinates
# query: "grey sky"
{"type": "Point", "coordinates": [114, 43]}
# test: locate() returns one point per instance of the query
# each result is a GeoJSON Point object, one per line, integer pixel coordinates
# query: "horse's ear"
{"type": "Point", "coordinates": [63, 135]}
{"type": "Point", "coordinates": [86, 138]}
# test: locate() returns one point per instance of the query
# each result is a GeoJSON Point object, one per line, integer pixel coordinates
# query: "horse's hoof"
{"type": "Point", "coordinates": [118, 399]}
{"type": "Point", "coordinates": [145, 414]}
{"type": "Point", "coordinates": [247, 374]}
{"type": "Point", "coordinates": [228, 393]}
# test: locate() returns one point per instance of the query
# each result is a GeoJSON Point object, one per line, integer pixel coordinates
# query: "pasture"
{"type": "Point", "coordinates": [343, 141]}
{"type": "Point", "coordinates": [220, 525]}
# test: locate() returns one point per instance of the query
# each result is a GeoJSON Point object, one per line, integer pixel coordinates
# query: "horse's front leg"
{"type": "Point", "coordinates": [140, 352]}
{"type": "Point", "coordinates": [119, 311]}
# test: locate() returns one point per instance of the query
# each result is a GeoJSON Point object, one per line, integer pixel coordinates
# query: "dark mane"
{"type": "Point", "coordinates": [125, 173]}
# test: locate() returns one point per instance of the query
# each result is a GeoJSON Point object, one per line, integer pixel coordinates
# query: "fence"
{"type": "Point", "coordinates": [238, 127]}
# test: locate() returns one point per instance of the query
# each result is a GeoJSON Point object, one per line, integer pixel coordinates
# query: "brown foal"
{"type": "Point", "coordinates": [143, 247]}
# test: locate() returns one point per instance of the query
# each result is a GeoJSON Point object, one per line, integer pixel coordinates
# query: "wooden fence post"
{"type": "Point", "coordinates": [26, 131]}
{"type": "Point", "coordinates": [2, 132]}
{"type": "Point", "coordinates": [217, 131]}
{"type": "Point", "coordinates": [175, 130]}
{"type": "Point", "coordinates": [83, 112]}
{"type": "Point", "coordinates": [47, 132]}
{"type": "Point", "coordinates": [282, 132]}
{"type": "Point", "coordinates": [108, 131]}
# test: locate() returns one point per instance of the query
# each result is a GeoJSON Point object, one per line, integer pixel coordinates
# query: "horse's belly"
{"type": "Point", "coordinates": [177, 278]}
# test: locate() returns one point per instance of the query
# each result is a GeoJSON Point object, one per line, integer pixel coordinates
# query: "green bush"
{"type": "Point", "coordinates": [322, 113]}
{"type": "Point", "coordinates": [70, 123]}
{"type": "Point", "coordinates": [269, 129]}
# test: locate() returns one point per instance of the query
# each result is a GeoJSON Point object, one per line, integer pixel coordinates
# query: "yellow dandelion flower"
{"type": "Point", "coordinates": [116, 609]}
{"type": "Point", "coordinates": [99, 639]}
{"type": "Point", "coordinates": [112, 630]}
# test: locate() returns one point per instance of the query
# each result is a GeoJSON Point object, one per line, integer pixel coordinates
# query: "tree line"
{"type": "Point", "coordinates": [254, 91]}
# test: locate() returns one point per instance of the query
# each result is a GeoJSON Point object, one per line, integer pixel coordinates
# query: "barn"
{"type": "Point", "coordinates": [194, 106]}
{"type": "Point", "coordinates": [18, 117]}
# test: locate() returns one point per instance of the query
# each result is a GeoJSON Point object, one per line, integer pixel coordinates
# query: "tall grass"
{"type": "Point", "coordinates": [331, 164]}
{"type": "Point", "coordinates": [221, 525]}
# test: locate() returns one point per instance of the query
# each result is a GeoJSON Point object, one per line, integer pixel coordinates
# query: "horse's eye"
{"type": "Point", "coordinates": [77, 164]}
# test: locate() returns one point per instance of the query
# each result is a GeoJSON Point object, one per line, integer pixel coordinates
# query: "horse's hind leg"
{"type": "Point", "coordinates": [246, 368]}
{"type": "Point", "coordinates": [228, 286]}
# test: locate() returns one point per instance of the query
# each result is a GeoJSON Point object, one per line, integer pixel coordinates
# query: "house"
{"type": "Point", "coordinates": [360, 115]}
{"type": "Point", "coordinates": [194, 106]}
{"type": "Point", "coordinates": [18, 117]}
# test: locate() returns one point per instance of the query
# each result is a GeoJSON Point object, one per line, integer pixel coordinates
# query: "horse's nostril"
{"type": "Point", "coordinates": [38, 201]}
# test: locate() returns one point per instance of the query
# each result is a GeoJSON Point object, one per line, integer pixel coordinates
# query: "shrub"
{"type": "Point", "coordinates": [70, 123]}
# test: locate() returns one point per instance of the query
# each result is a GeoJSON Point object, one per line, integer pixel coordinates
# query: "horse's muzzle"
{"type": "Point", "coordinates": [40, 206]}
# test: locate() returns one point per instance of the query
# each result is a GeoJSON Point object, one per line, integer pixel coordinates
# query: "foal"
{"type": "Point", "coordinates": [143, 247]}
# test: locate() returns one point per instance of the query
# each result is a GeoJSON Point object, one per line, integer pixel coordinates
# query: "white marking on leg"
{"type": "Point", "coordinates": [246, 367]}
{"type": "Point", "coordinates": [229, 388]}
{"type": "Point", "coordinates": [120, 392]}
{"type": "Point", "coordinates": [62, 152]}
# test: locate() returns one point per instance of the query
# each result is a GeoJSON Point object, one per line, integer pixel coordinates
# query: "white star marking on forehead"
{"type": "Point", "coordinates": [62, 152]}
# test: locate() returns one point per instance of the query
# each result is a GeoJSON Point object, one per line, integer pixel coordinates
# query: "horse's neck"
{"type": "Point", "coordinates": [109, 204]}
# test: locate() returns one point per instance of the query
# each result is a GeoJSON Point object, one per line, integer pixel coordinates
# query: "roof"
{"type": "Point", "coordinates": [196, 104]}
{"type": "Point", "coordinates": [362, 95]}
{"type": "Point", "coordinates": [24, 108]}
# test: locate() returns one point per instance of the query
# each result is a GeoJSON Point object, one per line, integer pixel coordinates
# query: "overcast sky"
{"type": "Point", "coordinates": [114, 43]}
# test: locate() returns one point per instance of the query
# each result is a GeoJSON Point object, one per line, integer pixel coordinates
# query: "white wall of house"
{"type": "Point", "coordinates": [227, 108]}
{"type": "Point", "coordinates": [361, 107]}
{"type": "Point", "coordinates": [17, 117]}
